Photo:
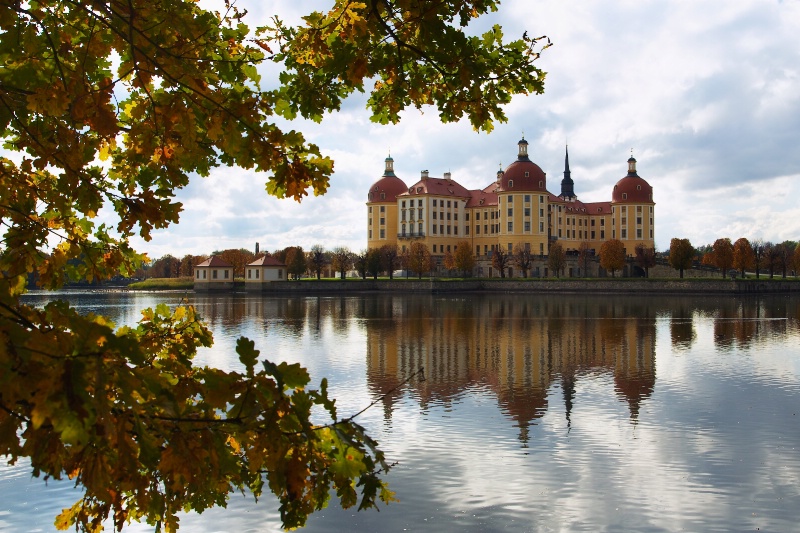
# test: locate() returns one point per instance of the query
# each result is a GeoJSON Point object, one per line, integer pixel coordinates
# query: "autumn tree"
{"type": "Point", "coordinates": [645, 257]}
{"type": "Point", "coordinates": [342, 260]}
{"type": "Point", "coordinates": [500, 259]}
{"type": "Point", "coordinates": [360, 262]}
{"type": "Point", "coordinates": [166, 266]}
{"type": "Point", "coordinates": [796, 260]}
{"type": "Point", "coordinates": [418, 259]}
{"type": "Point", "coordinates": [743, 256]}
{"type": "Point", "coordinates": [612, 255]}
{"type": "Point", "coordinates": [318, 259]}
{"type": "Point", "coordinates": [374, 262]}
{"type": "Point", "coordinates": [114, 106]}
{"type": "Point", "coordinates": [556, 259]}
{"type": "Point", "coordinates": [523, 258]}
{"type": "Point", "coordinates": [784, 253]}
{"type": "Point", "coordinates": [770, 258]}
{"type": "Point", "coordinates": [463, 258]}
{"type": "Point", "coordinates": [239, 258]}
{"type": "Point", "coordinates": [448, 262]}
{"type": "Point", "coordinates": [585, 254]}
{"type": "Point", "coordinates": [295, 262]}
{"type": "Point", "coordinates": [723, 255]}
{"type": "Point", "coordinates": [188, 262]}
{"type": "Point", "coordinates": [681, 254]}
{"type": "Point", "coordinates": [390, 258]}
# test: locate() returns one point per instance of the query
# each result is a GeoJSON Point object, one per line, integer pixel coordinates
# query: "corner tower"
{"type": "Point", "coordinates": [382, 207]}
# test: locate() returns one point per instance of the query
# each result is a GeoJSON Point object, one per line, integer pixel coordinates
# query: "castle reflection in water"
{"type": "Point", "coordinates": [519, 345]}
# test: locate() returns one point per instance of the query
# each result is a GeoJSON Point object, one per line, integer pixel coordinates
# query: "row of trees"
{"type": "Point", "coordinates": [743, 256]}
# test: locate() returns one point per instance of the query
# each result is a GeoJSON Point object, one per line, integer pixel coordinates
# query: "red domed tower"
{"type": "Point", "coordinates": [382, 207]}
{"type": "Point", "coordinates": [633, 211]}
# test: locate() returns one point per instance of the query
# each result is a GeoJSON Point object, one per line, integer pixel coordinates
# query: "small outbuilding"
{"type": "Point", "coordinates": [213, 274]}
{"type": "Point", "coordinates": [263, 271]}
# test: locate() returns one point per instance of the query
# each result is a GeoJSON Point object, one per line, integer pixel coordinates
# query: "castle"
{"type": "Point", "coordinates": [516, 209]}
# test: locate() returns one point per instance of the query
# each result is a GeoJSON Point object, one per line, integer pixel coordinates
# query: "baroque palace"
{"type": "Point", "coordinates": [516, 209]}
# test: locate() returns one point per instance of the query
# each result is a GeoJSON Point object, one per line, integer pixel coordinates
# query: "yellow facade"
{"type": "Point", "coordinates": [515, 210]}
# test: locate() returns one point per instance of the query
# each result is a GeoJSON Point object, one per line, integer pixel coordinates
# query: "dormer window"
{"type": "Point", "coordinates": [541, 184]}
{"type": "Point", "coordinates": [511, 182]}
{"type": "Point", "coordinates": [527, 174]}
{"type": "Point", "coordinates": [383, 196]}
{"type": "Point", "coordinates": [624, 196]}
{"type": "Point", "coordinates": [638, 187]}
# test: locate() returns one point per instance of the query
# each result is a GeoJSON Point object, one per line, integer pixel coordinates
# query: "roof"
{"type": "Point", "coordinates": [438, 187]}
{"type": "Point", "coordinates": [482, 198]}
{"type": "Point", "coordinates": [267, 261]}
{"type": "Point", "coordinates": [214, 261]}
{"type": "Point", "coordinates": [386, 190]}
{"type": "Point", "coordinates": [632, 189]}
{"type": "Point", "coordinates": [523, 175]}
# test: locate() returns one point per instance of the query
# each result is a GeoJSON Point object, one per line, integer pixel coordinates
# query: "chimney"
{"type": "Point", "coordinates": [424, 174]}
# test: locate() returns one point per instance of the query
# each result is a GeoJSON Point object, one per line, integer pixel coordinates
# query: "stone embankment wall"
{"type": "Point", "coordinates": [610, 286]}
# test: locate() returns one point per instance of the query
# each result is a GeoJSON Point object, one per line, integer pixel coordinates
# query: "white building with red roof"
{"type": "Point", "coordinates": [213, 274]}
{"type": "Point", "coordinates": [263, 271]}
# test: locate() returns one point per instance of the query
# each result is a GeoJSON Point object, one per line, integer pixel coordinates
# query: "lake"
{"type": "Point", "coordinates": [536, 412]}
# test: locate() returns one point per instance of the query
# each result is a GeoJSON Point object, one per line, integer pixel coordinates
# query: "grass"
{"type": "Point", "coordinates": [154, 284]}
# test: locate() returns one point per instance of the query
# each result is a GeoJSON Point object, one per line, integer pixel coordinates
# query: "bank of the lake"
{"type": "Point", "coordinates": [550, 285]}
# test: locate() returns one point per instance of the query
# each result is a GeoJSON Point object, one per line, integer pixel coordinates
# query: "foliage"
{"type": "Point", "coordinates": [318, 259]}
{"type": "Point", "coordinates": [585, 253]}
{"type": "Point", "coordinates": [681, 254]}
{"type": "Point", "coordinates": [295, 262]}
{"type": "Point", "coordinates": [165, 267]}
{"type": "Point", "coordinates": [418, 259]}
{"type": "Point", "coordinates": [783, 256]}
{"type": "Point", "coordinates": [743, 256]}
{"type": "Point", "coordinates": [500, 259]}
{"type": "Point", "coordinates": [645, 258]}
{"type": "Point", "coordinates": [463, 259]}
{"type": "Point", "coordinates": [360, 263]}
{"type": "Point", "coordinates": [523, 258]}
{"type": "Point", "coordinates": [238, 258]}
{"type": "Point", "coordinates": [722, 255]}
{"type": "Point", "coordinates": [612, 255]}
{"type": "Point", "coordinates": [556, 259]}
{"type": "Point", "coordinates": [342, 260]}
{"type": "Point", "coordinates": [390, 258]}
{"type": "Point", "coordinates": [154, 284]}
{"type": "Point", "coordinates": [113, 106]}
{"type": "Point", "coordinates": [374, 262]}
{"type": "Point", "coordinates": [188, 262]}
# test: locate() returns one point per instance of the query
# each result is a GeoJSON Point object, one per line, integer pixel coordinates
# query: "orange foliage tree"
{"type": "Point", "coordinates": [612, 255]}
{"type": "Point", "coordinates": [743, 256]}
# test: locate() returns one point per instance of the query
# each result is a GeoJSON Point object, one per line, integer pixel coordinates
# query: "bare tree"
{"type": "Point", "coordinates": [759, 255]}
{"type": "Point", "coordinates": [390, 258]}
{"type": "Point", "coordinates": [342, 260]}
{"type": "Point", "coordinates": [645, 258]}
{"type": "Point", "coordinates": [318, 259]}
{"type": "Point", "coordinates": [556, 259]}
{"type": "Point", "coordinates": [523, 258]}
{"type": "Point", "coordinates": [500, 260]}
{"type": "Point", "coordinates": [584, 255]}
{"type": "Point", "coordinates": [784, 252]}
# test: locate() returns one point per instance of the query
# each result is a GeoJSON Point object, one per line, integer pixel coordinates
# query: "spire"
{"type": "Point", "coordinates": [389, 170]}
{"type": "Point", "coordinates": [567, 185]}
{"type": "Point", "coordinates": [632, 165]}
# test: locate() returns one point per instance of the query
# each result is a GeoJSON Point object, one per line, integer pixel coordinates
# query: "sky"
{"type": "Point", "coordinates": [705, 94]}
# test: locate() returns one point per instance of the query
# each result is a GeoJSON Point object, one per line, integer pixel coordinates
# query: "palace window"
{"type": "Point", "coordinates": [510, 227]}
{"type": "Point", "coordinates": [527, 211]}
{"type": "Point", "coordinates": [527, 198]}
{"type": "Point", "coordinates": [527, 226]}
{"type": "Point", "coordinates": [510, 212]}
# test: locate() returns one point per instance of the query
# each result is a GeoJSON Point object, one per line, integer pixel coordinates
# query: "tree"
{"type": "Point", "coordinates": [418, 259]}
{"type": "Point", "coordinates": [500, 260]}
{"type": "Point", "coordinates": [723, 255]}
{"type": "Point", "coordinates": [796, 260]}
{"type": "Point", "coordinates": [770, 258]}
{"type": "Point", "coordinates": [239, 258]}
{"type": "Point", "coordinates": [115, 105]}
{"type": "Point", "coordinates": [318, 259]}
{"type": "Point", "coordinates": [585, 253]}
{"type": "Point", "coordinates": [523, 258]}
{"type": "Point", "coordinates": [295, 262]}
{"type": "Point", "coordinates": [783, 256]}
{"type": "Point", "coordinates": [645, 258]}
{"type": "Point", "coordinates": [463, 259]}
{"type": "Point", "coordinates": [612, 255]}
{"type": "Point", "coordinates": [188, 262]}
{"type": "Point", "coordinates": [681, 254]}
{"type": "Point", "coordinates": [360, 263]}
{"type": "Point", "coordinates": [759, 256]}
{"type": "Point", "coordinates": [390, 258]}
{"type": "Point", "coordinates": [165, 267]}
{"type": "Point", "coordinates": [374, 262]}
{"type": "Point", "coordinates": [743, 256]}
{"type": "Point", "coordinates": [342, 260]}
{"type": "Point", "coordinates": [448, 262]}
{"type": "Point", "coordinates": [556, 259]}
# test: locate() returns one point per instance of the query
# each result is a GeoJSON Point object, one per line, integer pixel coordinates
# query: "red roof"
{"type": "Point", "coordinates": [215, 261]}
{"type": "Point", "coordinates": [632, 189]}
{"type": "Point", "coordinates": [266, 260]}
{"type": "Point", "coordinates": [482, 198]}
{"type": "Point", "coordinates": [386, 190]}
{"type": "Point", "coordinates": [438, 187]}
{"type": "Point", "coordinates": [523, 175]}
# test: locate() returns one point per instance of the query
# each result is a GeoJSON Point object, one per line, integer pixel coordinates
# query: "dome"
{"type": "Point", "coordinates": [386, 189]}
{"type": "Point", "coordinates": [632, 188]}
{"type": "Point", "coordinates": [523, 175]}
